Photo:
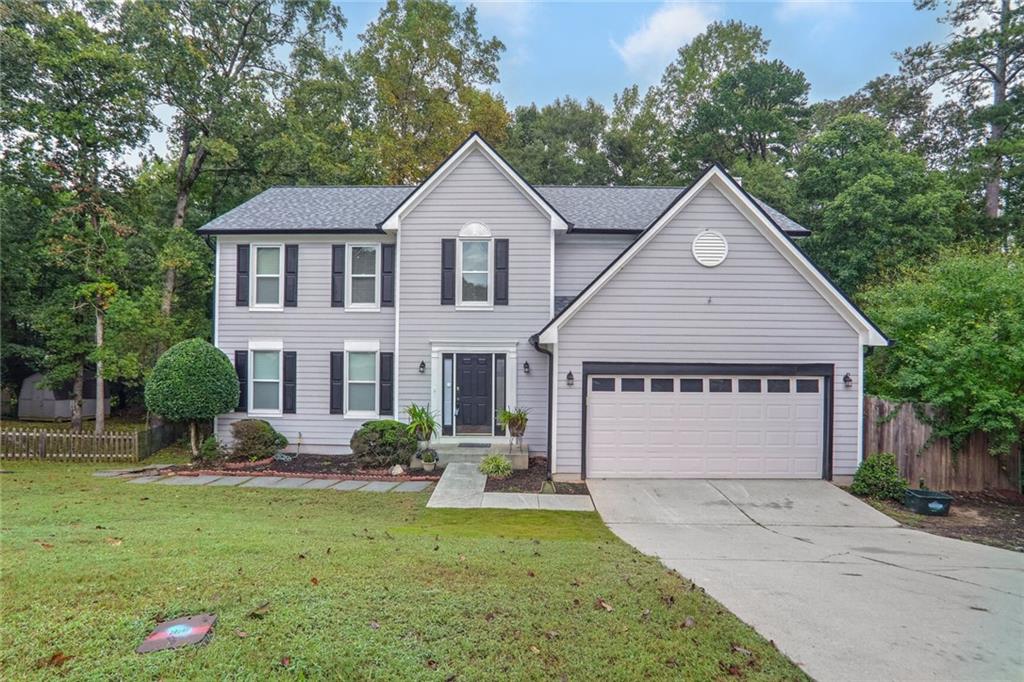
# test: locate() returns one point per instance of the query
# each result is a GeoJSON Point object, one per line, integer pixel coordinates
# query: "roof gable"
{"type": "Point", "coordinates": [762, 221]}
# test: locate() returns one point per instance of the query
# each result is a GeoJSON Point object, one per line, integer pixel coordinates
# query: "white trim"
{"type": "Point", "coordinates": [395, 371]}
{"type": "Point", "coordinates": [349, 275]}
{"type": "Point", "coordinates": [266, 344]}
{"type": "Point", "coordinates": [265, 347]}
{"type": "Point", "coordinates": [216, 308]}
{"type": "Point", "coordinates": [362, 347]}
{"type": "Point", "coordinates": [475, 142]}
{"type": "Point", "coordinates": [553, 436]}
{"type": "Point", "coordinates": [474, 305]}
{"type": "Point", "coordinates": [254, 306]}
{"type": "Point", "coordinates": [437, 351]}
{"type": "Point", "coordinates": [860, 404]}
{"type": "Point", "coordinates": [869, 334]}
{"type": "Point", "coordinates": [368, 346]}
{"type": "Point", "coordinates": [551, 274]}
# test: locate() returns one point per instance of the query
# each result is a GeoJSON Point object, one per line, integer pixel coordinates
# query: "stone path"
{"type": "Point", "coordinates": [462, 487]}
{"type": "Point", "coordinates": [139, 476]}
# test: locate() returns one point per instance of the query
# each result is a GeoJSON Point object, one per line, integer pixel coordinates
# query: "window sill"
{"type": "Point", "coordinates": [265, 308]}
{"type": "Point", "coordinates": [471, 306]}
{"type": "Point", "coordinates": [362, 309]}
{"type": "Point", "coordinates": [361, 415]}
{"type": "Point", "coordinates": [264, 413]}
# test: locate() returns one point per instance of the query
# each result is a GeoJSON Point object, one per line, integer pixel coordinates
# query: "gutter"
{"type": "Point", "coordinates": [535, 342]}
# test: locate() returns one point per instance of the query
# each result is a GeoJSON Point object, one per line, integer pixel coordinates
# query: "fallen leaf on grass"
{"type": "Point", "coordinates": [286, 661]}
{"type": "Point", "coordinates": [551, 634]}
{"type": "Point", "coordinates": [314, 580]}
{"type": "Point", "coordinates": [432, 664]}
{"type": "Point", "coordinates": [374, 625]}
{"type": "Point", "coordinates": [740, 650]}
{"type": "Point", "coordinates": [46, 545]}
{"type": "Point", "coordinates": [731, 669]}
{"type": "Point", "coordinates": [260, 611]}
{"type": "Point", "coordinates": [534, 649]}
{"type": "Point", "coordinates": [56, 660]}
{"type": "Point", "coordinates": [531, 574]}
{"type": "Point", "coordinates": [668, 599]}
{"type": "Point", "coordinates": [116, 542]}
{"type": "Point", "coordinates": [646, 615]}
{"type": "Point", "coordinates": [688, 623]}
{"type": "Point", "coordinates": [242, 634]}
{"type": "Point", "coordinates": [489, 617]}
{"type": "Point", "coordinates": [600, 603]}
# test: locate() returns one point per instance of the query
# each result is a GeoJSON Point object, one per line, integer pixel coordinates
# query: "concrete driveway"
{"type": "Point", "coordinates": [841, 588]}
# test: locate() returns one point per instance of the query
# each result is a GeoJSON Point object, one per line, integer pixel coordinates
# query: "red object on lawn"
{"type": "Point", "coordinates": [179, 632]}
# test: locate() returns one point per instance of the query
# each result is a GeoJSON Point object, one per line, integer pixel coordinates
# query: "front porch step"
{"type": "Point", "coordinates": [468, 453]}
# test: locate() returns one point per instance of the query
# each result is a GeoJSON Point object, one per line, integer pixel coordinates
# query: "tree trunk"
{"type": "Point", "coordinates": [994, 184]}
{"type": "Point", "coordinates": [193, 436]}
{"type": "Point", "coordinates": [76, 400]}
{"type": "Point", "coordinates": [186, 179]}
{"type": "Point", "coordinates": [101, 416]}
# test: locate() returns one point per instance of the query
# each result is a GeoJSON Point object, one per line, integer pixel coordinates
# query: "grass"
{"type": "Point", "coordinates": [359, 585]}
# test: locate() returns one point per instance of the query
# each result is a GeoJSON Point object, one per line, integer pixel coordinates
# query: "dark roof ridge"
{"type": "Point", "coordinates": [342, 186]}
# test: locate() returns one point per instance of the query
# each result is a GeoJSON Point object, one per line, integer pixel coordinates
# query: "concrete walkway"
{"type": "Point", "coordinates": [462, 487]}
{"type": "Point", "coordinates": [839, 587]}
{"type": "Point", "coordinates": [286, 482]}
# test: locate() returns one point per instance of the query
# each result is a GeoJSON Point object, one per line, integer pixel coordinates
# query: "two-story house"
{"type": "Point", "coordinates": [650, 331]}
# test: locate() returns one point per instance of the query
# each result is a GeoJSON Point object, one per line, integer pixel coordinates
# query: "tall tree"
{"type": "Point", "coordinates": [421, 71]}
{"type": "Point", "coordinates": [214, 63]}
{"type": "Point", "coordinates": [560, 143]}
{"type": "Point", "coordinates": [980, 65]}
{"type": "Point", "coordinates": [634, 140]}
{"type": "Point", "coordinates": [870, 205]}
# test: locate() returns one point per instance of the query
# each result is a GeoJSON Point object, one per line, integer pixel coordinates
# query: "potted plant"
{"type": "Point", "coordinates": [429, 459]}
{"type": "Point", "coordinates": [422, 424]}
{"type": "Point", "coordinates": [514, 423]}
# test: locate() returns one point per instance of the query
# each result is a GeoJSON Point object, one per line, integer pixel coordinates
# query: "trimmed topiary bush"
{"type": "Point", "coordinates": [383, 443]}
{"type": "Point", "coordinates": [879, 477]}
{"type": "Point", "coordinates": [496, 466]}
{"type": "Point", "coordinates": [192, 382]}
{"type": "Point", "coordinates": [256, 439]}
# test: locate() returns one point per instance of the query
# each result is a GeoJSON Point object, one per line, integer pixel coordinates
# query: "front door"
{"type": "Point", "coordinates": [473, 391]}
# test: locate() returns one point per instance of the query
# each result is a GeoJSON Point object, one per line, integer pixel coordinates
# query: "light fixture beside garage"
{"type": "Point", "coordinates": [847, 380]}
{"type": "Point", "coordinates": [569, 379]}
{"type": "Point", "coordinates": [710, 248]}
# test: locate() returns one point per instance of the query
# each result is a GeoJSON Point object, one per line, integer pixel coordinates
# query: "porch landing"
{"type": "Point", "coordinates": [462, 487]}
{"type": "Point", "coordinates": [473, 453]}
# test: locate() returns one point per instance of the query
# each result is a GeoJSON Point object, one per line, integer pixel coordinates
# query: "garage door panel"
{"type": "Point", "coordinates": [637, 434]}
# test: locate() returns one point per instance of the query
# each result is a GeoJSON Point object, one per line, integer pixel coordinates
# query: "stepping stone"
{"type": "Point", "coordinates": [319, 483]}
{"type": "Point", "coordinates": [345, 486]}
{"type": "Point", "coordinates": [262, 482]}
{"type": "Point", "coordinates": [509, 501]}
{"type": "Point", "coordinates": [566, 502]}
{"type": "Point", "coordinates": [411, 487]}
{"type": "Point", "coordinates": [230, 480]}
{"type": "Point", "coordinates": [290, 482]}
{"type": "Point", "coordinates": [377, 487]}
{"type": "Point", "coordinates": [146, 479]}
{"type": "Point", "coordinates": [189, 480]}
{"type": "Point", "coordinates": [111, 473]}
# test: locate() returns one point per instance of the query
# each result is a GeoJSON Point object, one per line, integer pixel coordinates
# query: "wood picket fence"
{"type": "Point", "coordinates": [67, 446]}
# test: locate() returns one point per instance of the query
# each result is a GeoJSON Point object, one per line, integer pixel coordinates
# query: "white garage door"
{"type": "Point", "coordinates": [705, 427]}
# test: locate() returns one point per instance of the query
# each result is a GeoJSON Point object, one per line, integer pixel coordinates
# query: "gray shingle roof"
{"type": "Point", "coordinates": [360, 208]}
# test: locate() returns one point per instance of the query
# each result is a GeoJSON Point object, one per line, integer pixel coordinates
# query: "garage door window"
{"type": "Point", "coordinates": [778, 385]}
{"type": "Point", "coordinates": [750, 385]}
{"type": "Point", "coordinates": [603, 384]}
{"type": "Point", "coordinates": [720, 385]}
{"type": "Point", "coordinates": [662, 385]}
{"type": "Point", "coordinates": [632, 385]}
{"type": "Point", "coordinates": [691, 385]}
{"type": "Point", "coordinates": [806, 385]}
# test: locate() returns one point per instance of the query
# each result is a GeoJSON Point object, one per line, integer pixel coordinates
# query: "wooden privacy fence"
{"type": "Point", "coordinates": [893, 427]}
{"type": "Point", "coordinates": [113, 446]}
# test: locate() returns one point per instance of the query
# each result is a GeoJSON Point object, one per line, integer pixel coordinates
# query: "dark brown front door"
{"type": "Point", "coordinates": [473, 391]}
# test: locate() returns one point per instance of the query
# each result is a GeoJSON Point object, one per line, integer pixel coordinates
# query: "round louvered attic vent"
{"type": "Point", "coordinates": [710, 248]}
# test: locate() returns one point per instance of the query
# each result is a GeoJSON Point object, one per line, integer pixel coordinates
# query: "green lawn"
{"type": "Point", "coordinates": [360, 586]}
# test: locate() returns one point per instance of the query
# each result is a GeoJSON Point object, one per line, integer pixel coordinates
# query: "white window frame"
{"type": "Point", "coordinates": [254, 277]}
{"type": "Point", "coordinates": [266, 346]}
{"type": "Point", "coordinates": [362, 347]}
{"type": "Point", "coordinates": [349, 275]}
{"type": "Point", "coordinates": [475, 305]}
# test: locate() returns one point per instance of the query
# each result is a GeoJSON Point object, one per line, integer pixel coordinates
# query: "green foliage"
{"type": "Point", "coordinates": [496, 466]}
{"type": "Point", "coordinates": [256, 439]}
{"type": "Point", "coordinates": [879, 477]}
{"type": "Point", "coordinates": [422, 422]}
{"type": "Point", "coordinates": [383, 443]}
{"type": "Point", "coordinates": [193, 381]}
{"type": "Point", "coordinates": [560, 143]}
{"type": "Point", "coordinates": [428, 456]}
{"type": "Point", "coordinates": [211, 451]}
{"type": "Point", "coordinates": [514, 421]}
{"type": "Point", "coordinates": [957, 326]}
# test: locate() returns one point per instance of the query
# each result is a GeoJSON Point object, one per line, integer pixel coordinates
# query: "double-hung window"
{"type": "Point", "coordinates": [475, 267]}
{"type": "Point", "coordinates": [268, 282]}
{"type": "Point", "coordinates": [364, 276]}
{"type": "Point", "coordinates": [265, 384]}
{"type": "Point", "coordinates": [361, 377]}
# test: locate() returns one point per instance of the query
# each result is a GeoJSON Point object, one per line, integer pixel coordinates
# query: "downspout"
{"type": "Point", "coordinates": [535, 341]}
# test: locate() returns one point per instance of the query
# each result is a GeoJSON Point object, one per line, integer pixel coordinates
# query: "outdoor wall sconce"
{"type": "Point", "coordinates": [847, 380]}
{"type": "Point", "coordinates": [423, 367]}
{"type": "Point", "coordinates": [526, 368]}
{"type": "Point", "coordinates": [569, 379]}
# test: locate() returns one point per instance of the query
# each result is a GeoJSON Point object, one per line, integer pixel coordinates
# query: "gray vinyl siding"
{"type": "Point", "coordinates": [579, 258]}
{"type": "Point", "coordinates": [312, 329]}
{"type": "Point", "coordinates": [475, 191]}
{"type": "Point", "coordinates": [664, 307]}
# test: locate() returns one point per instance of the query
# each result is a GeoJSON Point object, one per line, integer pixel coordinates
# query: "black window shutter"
{"type": "Point", "coordinates": [387, 275]}
{"type": "Point", "coordinates": [337, 382]}
{"type": "Point", "coordinates": [291, 275]}
{"type": "Point", "coordinates": [289, 382]}
{"type": "Point", "coordinates": [242, 370]}
{"type": "Point", "coordinates": [242, 276]}
{"type": "Point", "coordinates": [447, 272]}
{"type": "Point", "coordinates": [387, 383]}
{"type": "Point", "coordinates": [338, 276]}
{"type": "Point", "coordinates": [500, 272]}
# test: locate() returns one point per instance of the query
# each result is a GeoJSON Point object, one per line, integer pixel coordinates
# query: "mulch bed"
{"type": "Point", "coordinates": [531, 480]}
{"type": "Point", "coordinates": [303, 466]}
{"type": "Point", "coordinates": [991, 518]}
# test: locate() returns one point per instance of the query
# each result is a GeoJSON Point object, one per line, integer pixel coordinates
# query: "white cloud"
{"type": "Point", "coordinates": [817, 15]}
{"type": "Point", "coordinates": [514, 17]}
{"type": "Point", "coordinates": [655, 43]}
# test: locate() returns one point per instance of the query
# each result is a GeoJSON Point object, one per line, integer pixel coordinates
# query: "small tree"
{"type": "Point", "coordinates": [193, 382]}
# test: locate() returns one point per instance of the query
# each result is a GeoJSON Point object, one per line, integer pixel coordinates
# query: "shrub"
{"type": "Point", "coordinates": [383, 443]}
{"type": "Point", "coordinates": [211, 450]}
{"type": "Point", "coordinates": [879, 476]}
{"type": "Point", "coordinates": [422, 422]}
{"type": "Point", "coordinates": [428, 456]}
{"type": "Point", "coordinates": [192, 382]}
{"type": "Point", "coordinates": [496, 466]}
{"type": "Point", "coordinates": [514, 421]}
{"type": "Point", "coordinates": [256, 439]}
